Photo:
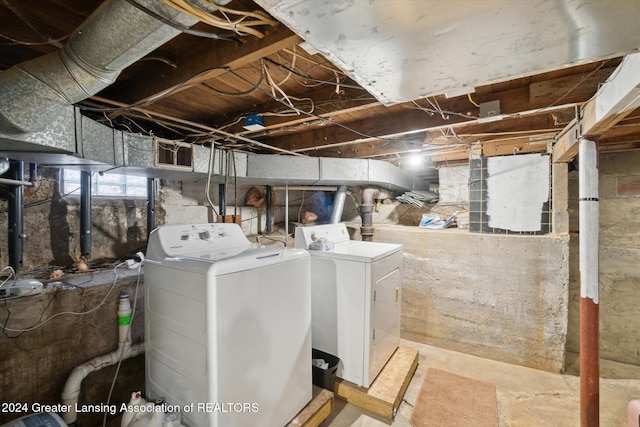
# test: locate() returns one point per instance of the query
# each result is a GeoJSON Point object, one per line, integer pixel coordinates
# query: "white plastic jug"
{"type": "Point", "coordinates": [143, 415]}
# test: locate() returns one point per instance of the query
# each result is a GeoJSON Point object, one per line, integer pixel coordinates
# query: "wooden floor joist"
{"type": "Point", "coordinates": [316, 411]}
{"type": "Point", "coordinates": [386, 393]}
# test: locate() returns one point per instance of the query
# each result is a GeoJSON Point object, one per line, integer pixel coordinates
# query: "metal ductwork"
{"type": "Point", "coordinates": [116, 35]}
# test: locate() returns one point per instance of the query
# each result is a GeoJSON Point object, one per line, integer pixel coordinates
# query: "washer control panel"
{"type": "Point", "coordinates": [175, 240]}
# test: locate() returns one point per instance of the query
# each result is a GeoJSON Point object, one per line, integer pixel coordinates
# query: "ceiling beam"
{"type": "Point", "coordinates": [208, 59]}
{"type": "Point", "coordinates": [527, 100]}
{"type": "Point", "coordinates": [617, 98]}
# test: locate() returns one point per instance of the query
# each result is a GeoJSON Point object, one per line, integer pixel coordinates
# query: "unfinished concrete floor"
{"type": "Point", "coordinates": [526, 397]}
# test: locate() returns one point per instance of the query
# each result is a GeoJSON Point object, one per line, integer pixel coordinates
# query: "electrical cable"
{"type": "Point", "coordinates": [4, 326]}
{"type": "Point", "coordinates": [212, 159]}
{"type": "Point", "coordinates": [156, 97]}
{"type": "Point", "coordinates": [347, 128]}
{"type": "Point", "coordinates": [329, 82]}
{"type": "Point", "coordinates": [42, 322]}
{"type": "Point", "coordinates": [178, 27]}
{"type": "Point", "coordinates": [241, 26]}
{"type": "Point", "coordinates": [245, 93]}
{"type": "Point", "coordinates": [11, 270]}
{"type": "Point", "coordinates": [24, 43]}
{"type": "Point", "coordinates": [235, 186]}
{"type": "Point", "coordinates": [472, 101]}
{"type": "Point", "coordinates": [19, 14]}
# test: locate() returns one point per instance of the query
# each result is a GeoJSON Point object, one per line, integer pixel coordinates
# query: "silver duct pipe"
{"type": "Point", "coordinates": [338, 204]}
{"type": "Point", "coordinates": [116, 35]}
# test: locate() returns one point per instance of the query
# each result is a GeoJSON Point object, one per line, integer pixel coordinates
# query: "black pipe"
{"type": "Point", "coordinates": [269, 209]}
{"type": "Point", "coordinates": [16, 217]}
{"type": "Point", "coordinates": [151, 205]}
{"type": "Point", "coordinates": [222, 194]}
{"type": "Point", "coordinates": [85, 214]}
{"type": "Point", "coordinates": [33, 172]}
{"type": "Point", "coordinates": [366, 229]}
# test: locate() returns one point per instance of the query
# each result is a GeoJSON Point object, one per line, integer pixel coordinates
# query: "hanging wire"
{"type": "Point", "coordinates": [178, 27]}
{"type": "Point", "coordinates": [241, 26]}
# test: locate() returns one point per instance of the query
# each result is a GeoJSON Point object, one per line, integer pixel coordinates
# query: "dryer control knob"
{"type": "Point", "coordinates": [205, 235]}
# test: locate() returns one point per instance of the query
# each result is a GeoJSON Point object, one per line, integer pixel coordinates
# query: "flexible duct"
{"type": "Point", "coordinates": [366, 210]}
{"type": "Point", "coordinates": [116, 35]}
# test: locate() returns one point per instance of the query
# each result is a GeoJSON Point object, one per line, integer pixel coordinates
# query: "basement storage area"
{"type": "Point", "coordinates": [193, 194]}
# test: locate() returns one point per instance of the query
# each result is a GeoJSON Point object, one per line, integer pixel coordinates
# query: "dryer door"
{"type": "Point", "coordinates": [386, 315]}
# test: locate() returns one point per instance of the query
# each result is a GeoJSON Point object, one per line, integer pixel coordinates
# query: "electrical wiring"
{"type": "Point", "coordinates": [271, 237]}
{"type": "Point", "coordinates": [437, 108]}
{"type": "Point", "coordinates": [4, 326]}
{"type": "Point", "coordinates": [212, 159]}
{"type": "Point", "coordinates": [301, 205]}
{"type": "Point", "coordinates": [156, 97]}
{"type": "Point", "coordinates": [245, 93]}
{"type": "Point", "coordinates": [316, 64]}
{"type": "Point", "coordinates": [364, 135]}
{"type": "Point", "coordinates": [293, 66]}
{"type": "Point", "coordinates": [292, 112]}
{"type": "Point", "coordinates": [24, 43]}
{"type": "Point", "coordinates": [240, 26]}
{"type": "Point", "coordinates": [329, 82]}
{"type": "Point", "coordinates": [12, 274]}
{"type": "Point", "coordinates": [432, 111]}
{"type": "Point", "coordinates": [19, 14]}
{"type": "Point", "coordinates": [74, 313]}
{"type": "Point", "coordinates": [185, 30]}
{"type": "Point", "coordinates": [275, 87]}
{"type": "Point", "coordinates": [321, 118]}
{"type": "Point", "coordinates": [472, 101]}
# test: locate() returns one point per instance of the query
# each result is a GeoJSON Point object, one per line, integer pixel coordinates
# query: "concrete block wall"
{"type": "Point", "coordinates": [496, 296]}
{"type": "Point", "coordinates": [619, 188]}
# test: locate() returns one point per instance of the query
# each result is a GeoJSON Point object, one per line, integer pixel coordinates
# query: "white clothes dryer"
{"type": "Point", "coordinates": [356, 294]}
{"type": "Point", "coordinates": [227, 326]}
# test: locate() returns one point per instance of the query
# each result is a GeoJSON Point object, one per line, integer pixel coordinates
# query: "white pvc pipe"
{"type": "Point", "coordinates": [125, 350]}
{"type": "Point", "coordinates": [16, 182]}
{"type": "Point", "coordinates": [589, 219]}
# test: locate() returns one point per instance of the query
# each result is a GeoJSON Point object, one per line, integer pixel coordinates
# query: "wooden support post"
{"type": "Point", "coordinates": [589, 228]}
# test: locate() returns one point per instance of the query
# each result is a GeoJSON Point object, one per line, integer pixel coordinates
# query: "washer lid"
{"type": "Point", "coordinates": [357, 250]}
{"type": "Point", "coordinates": [236, 253]}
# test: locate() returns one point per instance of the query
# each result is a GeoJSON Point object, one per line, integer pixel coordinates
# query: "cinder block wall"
{"type": "Point", "coordinates": [619, 179]}
{"type": "Point", "coordinates": [502, 297]}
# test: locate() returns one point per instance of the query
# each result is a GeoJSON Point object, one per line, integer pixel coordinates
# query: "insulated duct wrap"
{"type": "Point", "coordinates": [116, 35]}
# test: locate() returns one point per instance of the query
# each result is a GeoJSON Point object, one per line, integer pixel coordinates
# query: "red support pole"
{"type": "Point", "coordinates": [589, 366]}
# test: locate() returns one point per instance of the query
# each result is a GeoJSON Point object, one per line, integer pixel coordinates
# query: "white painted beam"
{"type": "Point", "coordinates": [618, 97]}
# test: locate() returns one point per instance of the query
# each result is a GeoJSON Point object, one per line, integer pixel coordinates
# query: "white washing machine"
{"type": "Point", "coordinates": [227, 326]}
{"type": "Point", "coordinates": [356, 294]}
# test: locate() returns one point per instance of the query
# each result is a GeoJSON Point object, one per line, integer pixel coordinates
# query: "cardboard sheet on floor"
{"type": "Point", "coordinates": [448, 399]}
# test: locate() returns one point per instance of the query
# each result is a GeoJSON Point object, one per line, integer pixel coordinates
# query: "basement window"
{"type": "Point", "coordinates": [106, 185]}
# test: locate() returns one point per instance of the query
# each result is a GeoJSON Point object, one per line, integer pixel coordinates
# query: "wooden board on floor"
{"type": "Point", "coordinates": [386, 393]}
{"type": "Point", "coordinates": [316, 411]}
